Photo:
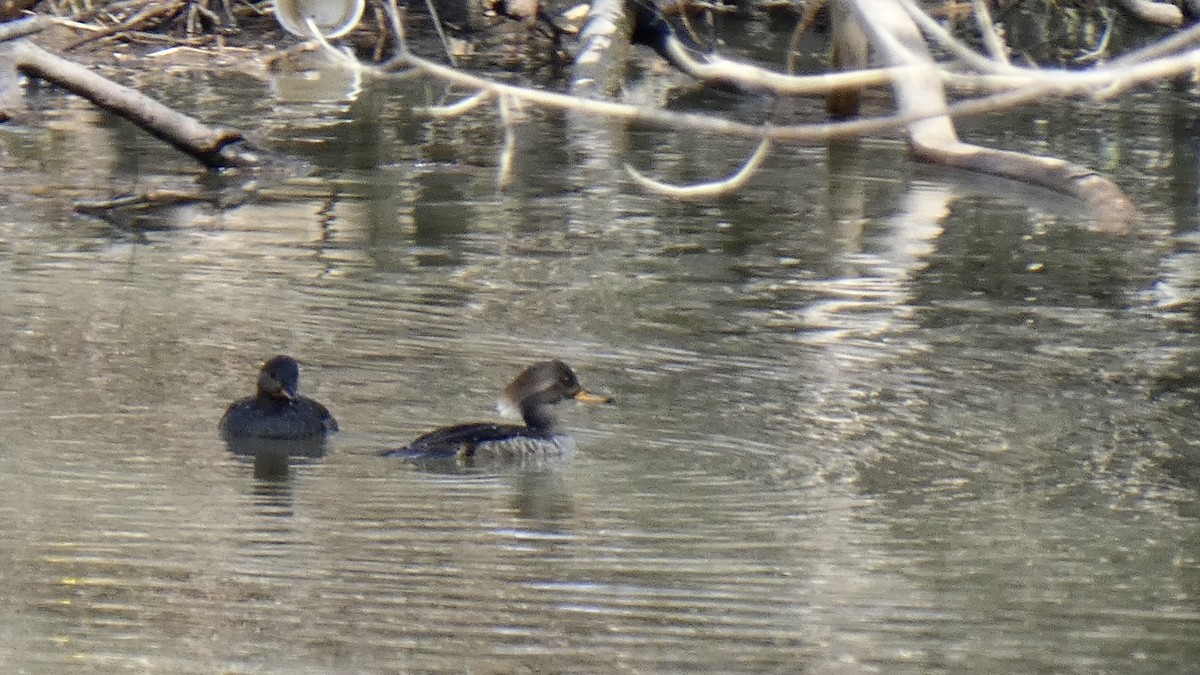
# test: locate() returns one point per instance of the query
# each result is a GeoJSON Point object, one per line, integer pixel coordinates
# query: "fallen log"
{"type": "Point", "coordinates": [215, 147]}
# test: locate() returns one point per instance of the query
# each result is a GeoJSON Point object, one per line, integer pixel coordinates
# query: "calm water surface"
{"type": "Point", "coordinates": [870, 416]}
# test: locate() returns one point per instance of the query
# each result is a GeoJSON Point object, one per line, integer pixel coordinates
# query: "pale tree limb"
{"type": "Point", "coordinates": [934, 139]}
{"type": "Point", "coordinates": [996, 74]}
{"type": "Point", "coordinates": [20, 28]}
{"type": "Point", "coordinates": [456, 109]}
{"type": "Point", "coordinates": [1158, 13]}
{"type": "Point", "coordinates": [991, 39]}
{"type": "Point", "coordinates": [734, 182]}
{"type": "Point", "coordinates": [504, 168]}
{"type": "Point", "coordinates": [1022, 76]}
{"type": "Point", "coordinates": [711, 190]}
{"type": "Point", "coordinates": [922, 109]}
{"type": "Point", "coordinates": [817, 133]}
{"type": "Point", "coordinates": [1184, 39]}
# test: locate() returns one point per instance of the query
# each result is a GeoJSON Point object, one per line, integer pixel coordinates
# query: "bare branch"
{"type": "Point", "coordinates": [456, 109]}
{"type": "Point", "coordinates": [805, 133]}
{"type": "Point", "coordinates": [1158, 13]}
{"type": "Point", "coordinates": [20, 28]}
{"type": "Point", "coordinates": [1102, 44]}
{"type": "Point", "coordinates": [711, 190]}
{"type": "Point", "coordinates": [1171, 45]}
{"type": "Point", "coordinates": [991, 38]}
{"type": "Point", "coordinates": [437, 25]}
{"type": "Point", "coordinates": [999, 76]}
{"type": "Point", "coordinates": [504, 173]}
{"type": "Point", "coordinates": [750, 78]}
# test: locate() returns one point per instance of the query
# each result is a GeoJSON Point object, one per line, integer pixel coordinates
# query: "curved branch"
{"type": "Point", "coordinates": [719, 188]}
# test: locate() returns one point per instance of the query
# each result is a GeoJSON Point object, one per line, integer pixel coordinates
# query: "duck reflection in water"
{"type": "Point", "coordinates": [531, 394]}
{"type": "Point", "coordinates": [277, 422]}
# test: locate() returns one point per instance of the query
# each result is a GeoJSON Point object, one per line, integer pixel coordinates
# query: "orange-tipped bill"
{"type": "Point", "coordinates": [585, 396]}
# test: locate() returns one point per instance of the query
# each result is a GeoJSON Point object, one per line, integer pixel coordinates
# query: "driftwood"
{"type": "Point", "coordinates": [933, 138]}
{"type": "Point", "coordinates": [215, 147]}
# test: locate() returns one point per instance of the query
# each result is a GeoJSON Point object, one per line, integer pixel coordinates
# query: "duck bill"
{"type": "Point", "coordinates": [585, 396]}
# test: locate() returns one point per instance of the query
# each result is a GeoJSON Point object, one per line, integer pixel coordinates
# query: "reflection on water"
{"type": "Point", "coordinates": [271, 458]}
{"type": "Point", "coordinates": [870, 416]}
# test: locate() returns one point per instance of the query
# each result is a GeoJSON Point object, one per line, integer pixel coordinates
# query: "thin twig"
{"type": "Point", "coordinates": [343, 58]}
{"type": "Point", "coordinates": [437, 25]}
{"type": "Point", "coordinates": [77, 25]}
{"type": "Point", "coordinates": [811, 12]}
{"type": "Point", "coordinates": [1102, 45]}
{"type": "Point", "coordinates": [456, 109]}
{"type": "Point", "coordinates": [397, 26]}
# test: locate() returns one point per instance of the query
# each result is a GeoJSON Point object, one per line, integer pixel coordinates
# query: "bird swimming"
{"type": "Point", "coordinates": [531, 394]}
{"type": "Point", "coordinates": [277, 410]}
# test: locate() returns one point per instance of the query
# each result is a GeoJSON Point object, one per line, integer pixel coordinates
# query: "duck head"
{"type": "Point", "coordinates": [279, 378]}
{"type": "Point", "coordinates": [540, 386]}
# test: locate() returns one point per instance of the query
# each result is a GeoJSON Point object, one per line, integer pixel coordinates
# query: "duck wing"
{"type": "Point", "coordinates": [457, 441]}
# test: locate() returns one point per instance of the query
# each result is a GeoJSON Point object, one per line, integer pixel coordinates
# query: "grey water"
{"type": "Point", "coordinates": [870, 416]}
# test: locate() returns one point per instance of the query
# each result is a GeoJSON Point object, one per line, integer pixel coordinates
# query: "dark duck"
{"type": "Point", "coordinates": [532, 394]}
{"type": "Point", "coordinates": [277, 410]}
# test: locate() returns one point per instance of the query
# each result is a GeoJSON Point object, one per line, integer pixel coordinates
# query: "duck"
{"type": "Point", "coordinates": [277, 410]}
{"type": "Point", "coordinates": [531, 395]}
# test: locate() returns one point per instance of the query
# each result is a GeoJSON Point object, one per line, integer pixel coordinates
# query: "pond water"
{"type": "Point", "coordinates": [869, 416]}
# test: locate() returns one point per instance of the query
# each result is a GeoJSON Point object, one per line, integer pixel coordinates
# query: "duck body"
{"type": "Point", "coordinates": [531, 394]}
{"type": "Point", "coordinates": [486, 440]}
{"type": "Point", "coordinates": [298, 418]}
{"type": "Point", "coordinates": [276, 410]}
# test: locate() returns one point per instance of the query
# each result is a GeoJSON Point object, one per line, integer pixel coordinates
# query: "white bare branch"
{"type": "Point", "coordinates": [711, 190]}
{"type": "Point", "coordinates": [458, 109]}
{"type": "Point", "coordinates": [897, 30]}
